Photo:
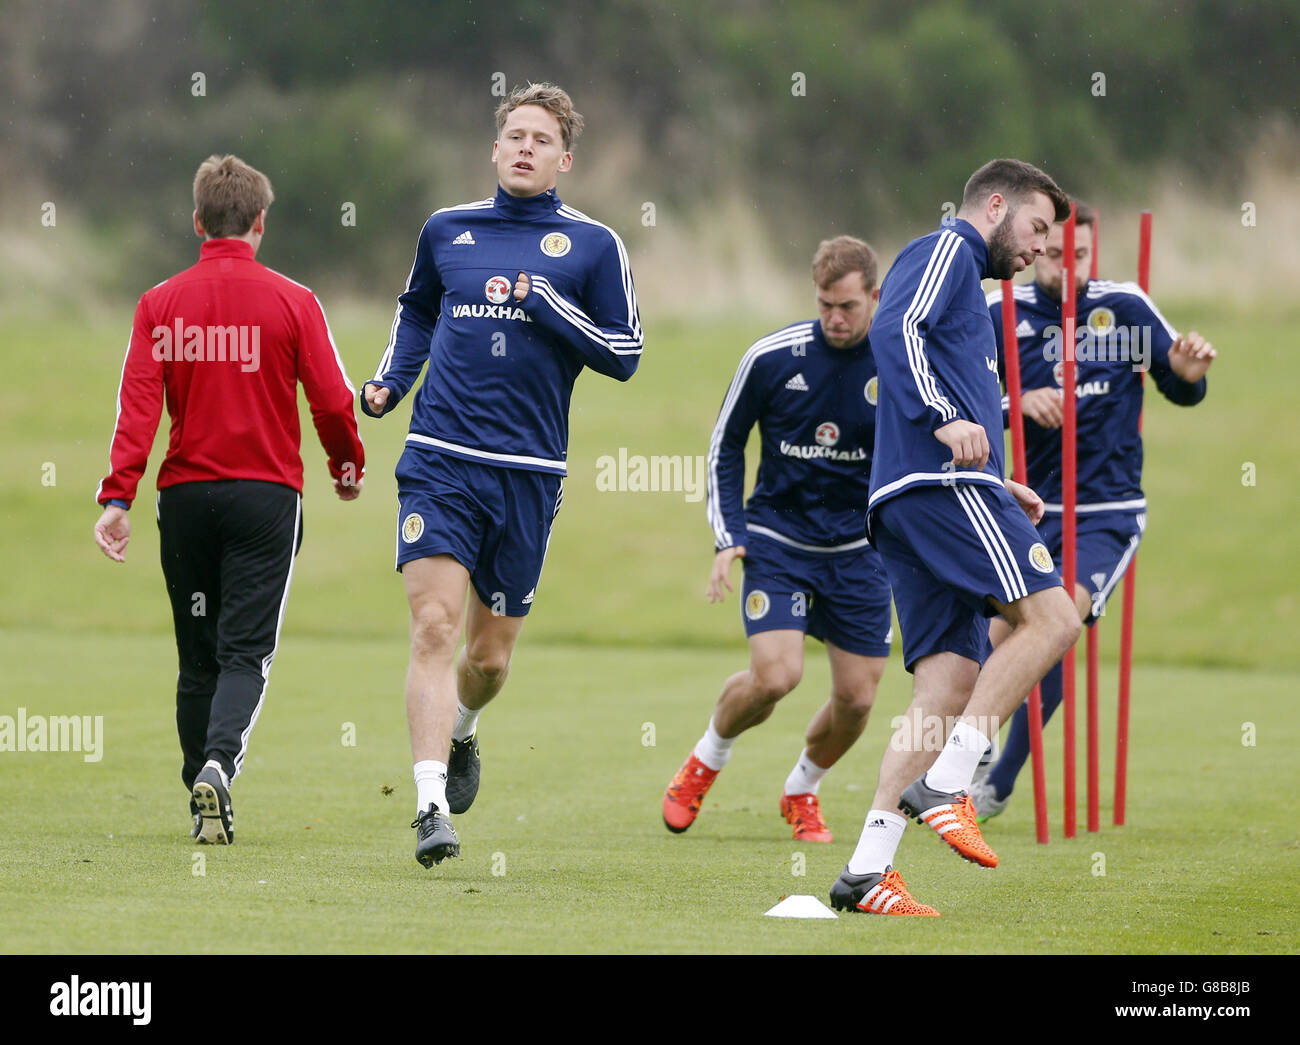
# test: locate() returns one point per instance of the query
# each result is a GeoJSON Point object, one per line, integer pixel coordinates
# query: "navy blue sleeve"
{"type": "Point", "coordinates": [418, 307]}
{"type": "Point", "coordinates": [603, 329]}
{"type": "Point", "coordinates": [740, 410]}
{"type": "Point", "coordinates": [923, 288]}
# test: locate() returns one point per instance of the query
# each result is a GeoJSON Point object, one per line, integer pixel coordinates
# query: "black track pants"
{"type": "Point", "coordinates": [227, 557]}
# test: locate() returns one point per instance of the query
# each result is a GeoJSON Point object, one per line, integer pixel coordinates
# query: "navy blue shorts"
{"type": "Point", "coordinates": [496, 522]}
{"type": "Point", "coordinates": [1106, 543]}
{"type": "Point", "coordinates": [948, 550]}
{"type": "Point", "coordinates": [841, 598]}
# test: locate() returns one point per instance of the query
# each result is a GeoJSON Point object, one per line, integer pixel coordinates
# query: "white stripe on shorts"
{"type": "Point", "coordinates": [1004, 563]}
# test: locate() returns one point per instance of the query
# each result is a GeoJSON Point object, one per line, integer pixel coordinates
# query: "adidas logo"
{"type": "Point", "coordinates": [797, 383]}
{"type": "Point", "coordinates": [464, 238]}
{"type": "Point", "coordinates": [1025, 329]}
{"type": "Point", "coordinates": [878, 822]}
{"type": "Point", "coordinates": [527, 599]}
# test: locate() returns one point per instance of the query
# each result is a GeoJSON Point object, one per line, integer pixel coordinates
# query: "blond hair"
{"type": "Point", "coordinates": [836, 258]}
{"type": "Point", "coordinates": [229, 195]}
{"type": "Point", "coordinates": [555, 100]}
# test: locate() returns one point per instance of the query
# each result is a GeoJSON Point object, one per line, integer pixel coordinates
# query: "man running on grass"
{"type": "Point", "coordinates": [956, 536]}
{"type": "Point", "coordinates": [811, 388]}
{"type": "Point", "coordinates": [508, 300]}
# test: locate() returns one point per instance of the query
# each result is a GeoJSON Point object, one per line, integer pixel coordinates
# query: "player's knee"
{"type": "Point", "coordinates": [853, 704]}
{"type": "Point", "coordinates": [489, 662]}
{"type": "Point", "coordinates": [774, 681]}
{"type": "Point", "coordinates": [1066, 624]}
{"type": "Point", "coordinates": [1087, 603]}
{"type": "Point", "coordinates": [1052, 614]}
{"type": "Point", "coordinates": [434, 633]}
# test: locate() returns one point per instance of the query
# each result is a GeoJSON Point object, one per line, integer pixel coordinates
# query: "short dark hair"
{"type": "Point", "coordinates": [229, 195]}
{"type": "Point", "coordinates": [1016, 180]}
{"type": "Point", "coordinates": [836, 258]}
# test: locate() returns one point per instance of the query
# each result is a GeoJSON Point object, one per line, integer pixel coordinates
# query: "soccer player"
{"type": "Point", "coordinates": [808, 568]}
{"type": "Point", "coordinates": [225, 343]}
{"type": "Point", "coordinates": [508, 300]}
{"type": "Point", "coordinates": [1121, 334]}
{"type": "Point", "coordinates": [952, 531]}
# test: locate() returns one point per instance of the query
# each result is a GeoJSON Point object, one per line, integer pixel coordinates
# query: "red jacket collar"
{"type": "Point", "coordinates": [225, 248]}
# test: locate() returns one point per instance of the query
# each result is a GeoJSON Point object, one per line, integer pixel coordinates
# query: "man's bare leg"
{"type": "Point", "coordinates": [481, 671]}
{"type": "Point", "coordinates": [435, 592]}
{"type": "Point", "coordinates": [992, 794]}
{"type": "Point", "coordinates": [748, 698]}
{"type": "Point", "coordinates": [833, 730]}
{"type": "Point", "coordinates": [840, 721]}
{"type": "Point", "coordinates": [941, 689]}
{"type": "Point", "coordinates": [999, 629]}
{"type": "Point", "coordinates": [1044, 625]}
{"type": "Point", "coordinates": [484, 660]}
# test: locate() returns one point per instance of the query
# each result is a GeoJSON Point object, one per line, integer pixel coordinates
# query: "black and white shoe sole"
{"type": "Point", "coordinates": [213, 830]}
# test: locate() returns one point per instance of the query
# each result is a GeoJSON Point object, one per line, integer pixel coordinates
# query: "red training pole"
{"type": "Point", "coordinates": [1130, 583]}
{"type": "Point", "coordinates": [1144, 252]}
{"type": "Point", "coordinates": [1068, 492]}
{"type": "Point", "coordinates": [1096, 243]}
{"type": "Point", "coordinates": [1011, 360]}
{"type": "Point", "coordinates": [1094, 635]}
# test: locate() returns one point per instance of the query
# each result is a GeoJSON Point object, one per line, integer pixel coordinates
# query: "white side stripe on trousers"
{"type": "Point", "coordinates": [266, 661]}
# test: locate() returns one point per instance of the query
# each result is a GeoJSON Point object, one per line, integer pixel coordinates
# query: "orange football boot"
{"type": "Point", "coordinates": [880, 893]}
{"type": "Point", "coordinates": [952, 816]}
{"type": "Point", "coordinates": [685, 793]}
{"type": "Point", "coordinates": [804, 814]}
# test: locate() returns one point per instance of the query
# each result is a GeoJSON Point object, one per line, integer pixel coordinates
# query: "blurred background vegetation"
{"type": "Point", "coordinates": [755, 128]}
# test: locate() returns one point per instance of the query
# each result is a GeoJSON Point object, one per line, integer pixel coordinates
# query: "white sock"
{"type": "Point", "coordinates": [954, 769]}
{"type": "Point", "coordinates": [225, 780]}
{"type": "Point", "coordinates": [879, 842]}
{"type": "Point", "coordinates": [430, 785]}
{"type": "Point", "coordinates": [466, 722]}
{"type": "Point", "coordinates": [806, 776]}
{"type": "Point", "coordinates": [714, 751]}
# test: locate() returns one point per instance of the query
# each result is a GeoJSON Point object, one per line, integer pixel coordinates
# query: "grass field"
{"type": "Point", "coordinates": [96, 856]}
{"type": "Point", "coordinates": [565, 851]}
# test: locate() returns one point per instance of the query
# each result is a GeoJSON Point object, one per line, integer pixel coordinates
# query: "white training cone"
{"type": "Point", "coordinates": [800, 907]}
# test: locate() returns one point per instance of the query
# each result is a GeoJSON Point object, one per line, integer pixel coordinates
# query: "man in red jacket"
{"type": "Point", "coordinates": [226, 342]}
